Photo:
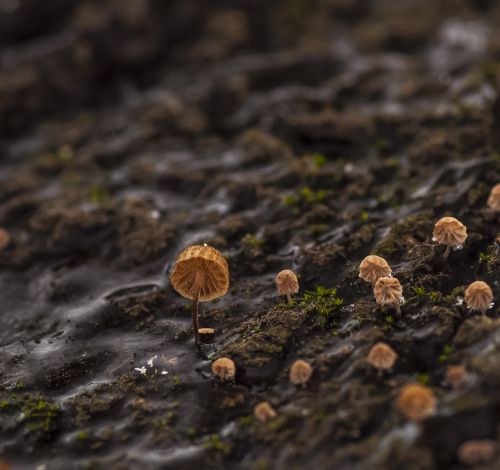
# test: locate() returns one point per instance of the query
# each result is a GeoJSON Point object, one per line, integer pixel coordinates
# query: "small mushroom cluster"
{"type": "Point", "coordinates": [201, 274]}
{"type": "Point", "coordinates": [386, 289]}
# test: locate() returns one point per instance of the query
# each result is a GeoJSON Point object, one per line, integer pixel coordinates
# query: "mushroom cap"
{"type": "Point", "coordinates": [416, 401]}
{"type": "Point", "coordinates": [388, 290]}
{"type": "Point", "coordinates": [373, 267]}
{"type": "Point", "coordinates": [264, 412]}
{"type": "Point", "coordinates": [455, 376]}
{"type": "Point", "coordinates": [450, 231]}
{"type": "Point", "coordinates": [476, 452]}
{"type": "Point", "coordinates": [286, 282]}
{"type": "Point", "coordinates": [4, 239]}
{"type": "Point", "coordinates": [494, 198]}
{"type": "Point", "coordinates": [200, 267]}
{"type": "Point", "coordinates": [478, 296]}
{"type": "Point", "coordinates": [382, 356]}
{"type": "Point", "coordinates": [224, 368]}
{"type": "Point", "coordinates": [300, 372]}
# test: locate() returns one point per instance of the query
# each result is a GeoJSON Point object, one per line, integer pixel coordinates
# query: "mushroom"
{"type": "Point", "coordinates": [416, 402]}
{"type": "Point", "coordinates": [494, 198]}
{"type": "Point", "coordinates": [455, 376]}
{"type": "Point", "coordinates": [450, 232]}
{"type": "Point", "coordinates": [478, 296]}
{"type": "Point", "coordinates": [287, 283]}
{"type": "Point", "coordinates": [224, 368]}
{"type": "Point", "coordinates": [373, 267]}
{"type": "Point", "coordinates": [382, 357]}
{"type": "Point", "coordinates": [476, 452]}
{"type": "Point", "coordinates": [300, 372]}
{"type": "Point", "coordinates": [4, 239]}
{"type": "Point", "coordinates": [388, 291]}
{"type": "Point", "coordinates": [264, 412]}
{"type": "Point", "coordinates": [200, 274]}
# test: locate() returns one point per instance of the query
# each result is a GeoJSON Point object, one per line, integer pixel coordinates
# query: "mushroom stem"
{"type": "Point", "coordinates": [447, 252]}
{"type": "Point", "coordinates": [194, 316]}
{"type": "Point", "coordinates": [398, 308]}
{"type": "Point", "coordinates": [289, 297]}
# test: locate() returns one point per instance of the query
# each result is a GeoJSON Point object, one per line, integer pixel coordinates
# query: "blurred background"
{"type": "Point", "coordinates": [60, 57]}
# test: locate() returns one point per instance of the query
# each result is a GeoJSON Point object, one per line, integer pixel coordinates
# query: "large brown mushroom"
{"type": "Point", "coordinates": [200, 274]}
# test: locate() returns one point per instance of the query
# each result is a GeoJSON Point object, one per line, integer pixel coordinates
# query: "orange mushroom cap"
{"type": "Point", "coordinates": [203, 269]}
{"type": "Point", "coordinates": [494, 198]}
{"type": "Point", "coordinates": [382, 356]}
{"type": "Point", "coordinates": [300, 372]}
{"type": "Point", "coordinates": [224, 368]}
{"type": "Point", "coordinates": [264, 412]}
{"type": "Point", "coordinates": [416, 401]}
{"type": "Point", "coordinates": [286, 282]}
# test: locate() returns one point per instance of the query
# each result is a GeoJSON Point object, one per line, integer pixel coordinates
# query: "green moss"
{"type": "Point", "coordinates": [319, 160]}
{"type": "Point", "coordinates": [82, 435]}
{"type": "Point", "coordinates": [19, 385]}
{"type": "Point", "coordinates": [4, 404]}
{"type": "Point", "coordinates": [424, 379]}
{"type": "Point", "coordinates": [215, 443]}
{"type": "Point", "coordinates": [445, 355]}
{"type": "Point", "coordinates": [97, 194]}
{"type": "Point", "coordinates": [39, 416]}
{"type": "Point", "coordinates": [322, 301]}
{"type": "Point", "coordinates": [245, 420]}
{"type": "Point", "coordinates": [252, 240]}
{"type": "Point", "coordinates": [306, 197]}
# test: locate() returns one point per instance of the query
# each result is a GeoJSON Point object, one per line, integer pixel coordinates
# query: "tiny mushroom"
{"type": "Point", "coordinates": [287, 283]}
{"type": "Point", "coordinates": [416, 402]}
{"type": "Point", "coordinates": [476, 452]}
{"type": "Point", "coordinates": [478, 296]}
{"type": "Point", "coordinates": [456, 376]}
{"type": "Point", "coordinates": [200, 274]}
{"type": "Point", "coordinates": [494, 198]}
{"type": "Point", "coordinates": [373, 267]}
{"type": "Point", "coordinates": [300, 372]}
{"type": "Point", "coordinates": [388, 291]}
{"type": "Point", "coordinates": [450, 232]}
{"type": "Point", "coordinates": [381, 357]}
{"type": "Point", "coordinates": [264, 412]}
{"type": "Point", "coordinates": [4, 239]}
{"type": "Point", "coordinates": [224, 368]}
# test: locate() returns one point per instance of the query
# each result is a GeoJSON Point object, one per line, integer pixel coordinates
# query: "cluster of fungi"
{"type": "Point", "coordinates": [201, 274]}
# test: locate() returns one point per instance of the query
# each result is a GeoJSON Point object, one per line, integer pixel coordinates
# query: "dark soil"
{"type": "Point", "coordinates": [287, 134]}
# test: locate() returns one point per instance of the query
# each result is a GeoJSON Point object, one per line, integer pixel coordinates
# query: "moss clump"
{"type": "Point", "coordinates": [215, 443]}
{"type": "Point", "coordinates": [322, 301]}
{"type": "Point", "coordinates": [252, 240]}
{"type": "Point", "coordinates": [39, 416]}
{"type": "Point", "coordinates": [306, 197]}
